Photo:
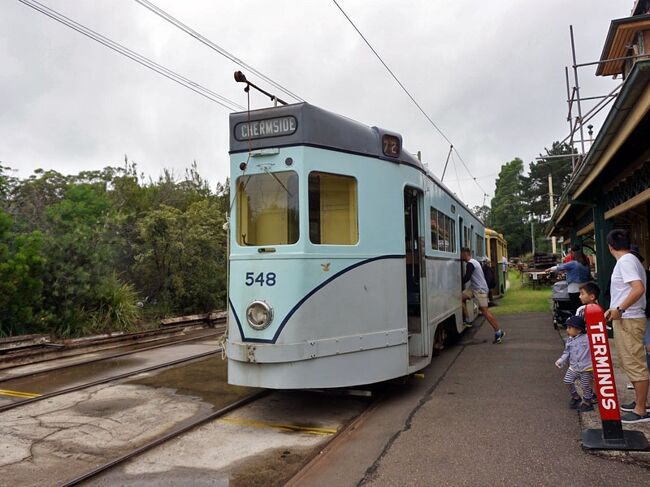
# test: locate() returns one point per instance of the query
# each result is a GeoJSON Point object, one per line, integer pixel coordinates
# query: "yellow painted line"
{"type": "Point", "coordinates": [26, 395]}
{"type": "Point", "coordinates": [287, 427]}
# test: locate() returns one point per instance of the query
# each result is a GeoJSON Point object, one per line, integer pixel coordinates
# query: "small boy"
{"type": "Point", "coordinates": [576, 352]}
{"type": "Point", "coordinates": [589, 293]}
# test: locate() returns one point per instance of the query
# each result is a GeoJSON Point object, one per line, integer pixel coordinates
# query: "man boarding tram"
{"type": "Point", "coordinates": [478, 290]}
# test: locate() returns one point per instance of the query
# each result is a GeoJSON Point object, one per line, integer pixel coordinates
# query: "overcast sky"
{"type": "Point", "coordinates": [490, 74]}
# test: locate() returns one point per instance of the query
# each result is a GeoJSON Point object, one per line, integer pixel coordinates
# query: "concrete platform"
{"type": "Point", "coordinates": [484, 415]}
{"type": "Point", "coordinates": [591, 420]}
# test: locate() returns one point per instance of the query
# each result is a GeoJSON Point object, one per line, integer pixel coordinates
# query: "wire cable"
{"type": "Point", "coordinates": [144, 61]}
{"type": "Point", "coordinates": [204, 40]}
{"type": "Point", "coordinates": [442, 134]}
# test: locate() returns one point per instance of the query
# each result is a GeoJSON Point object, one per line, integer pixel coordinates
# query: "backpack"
{"type": "Point", "coordinates": [489, 275]}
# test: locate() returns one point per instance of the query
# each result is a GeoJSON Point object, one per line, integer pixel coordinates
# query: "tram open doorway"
{"type": "Point", "coordinates": [415, 273]}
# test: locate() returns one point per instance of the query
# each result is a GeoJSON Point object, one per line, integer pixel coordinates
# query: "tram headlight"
{"type": "Point", "coordinates": [259, 315]}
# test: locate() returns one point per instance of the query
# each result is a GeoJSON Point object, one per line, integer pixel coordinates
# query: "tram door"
{"type": "Point", "coordinates": [415, 271]}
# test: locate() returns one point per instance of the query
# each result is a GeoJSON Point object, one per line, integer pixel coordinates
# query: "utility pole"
{"type": "Point", "coordinates": [532, 234]}
{"type": "Point", "coordinates": [552, 208]}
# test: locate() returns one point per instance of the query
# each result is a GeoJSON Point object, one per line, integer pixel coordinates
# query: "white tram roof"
{"type": "Point", "coordinates": [309, 125]}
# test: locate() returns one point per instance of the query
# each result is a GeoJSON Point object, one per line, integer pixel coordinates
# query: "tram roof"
{"type": "Point", "coordinates": [316, 127]}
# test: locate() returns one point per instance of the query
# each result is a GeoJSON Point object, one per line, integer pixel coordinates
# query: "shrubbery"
{"type": "Point", "coordinates": [93, 251]}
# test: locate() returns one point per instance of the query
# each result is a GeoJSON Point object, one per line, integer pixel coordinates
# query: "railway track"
{"type": "Point", "coordinates": [35, 349]}
{"type": "Point", "coordinates": [219, 331]}
{"type": "Point", "coordinates": [168, 436]}
{"type": "Point", "coordinates": [26, 399]}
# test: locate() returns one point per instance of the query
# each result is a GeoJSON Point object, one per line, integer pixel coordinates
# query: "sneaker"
{"type": "Point", "coordinates": [467, 324]}
{"type": "Point", "coordinates": [575, 402]}
{"type": "Point", "coordinates": [629, 407]}
{"type": "Point", "coordinates": [585, 407]}
{"type": "Point", "coordinates": [629, 386]}
{"type": "Point", "coordinates": [634, 418]}
{"type": "Point", "coordinates": [498, 336]}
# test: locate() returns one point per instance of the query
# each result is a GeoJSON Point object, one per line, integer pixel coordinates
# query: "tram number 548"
{"type": "Point", "coordinates": [261, 278]}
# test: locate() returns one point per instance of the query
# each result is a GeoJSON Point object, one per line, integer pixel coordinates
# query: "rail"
{"type": "Point", "coordinates": [105, 380]}
{"type": "Point", "coordinates": [169, 436]}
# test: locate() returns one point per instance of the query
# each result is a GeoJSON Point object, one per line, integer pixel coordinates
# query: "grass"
{"type": "Point", "coordinates": [521, 299]}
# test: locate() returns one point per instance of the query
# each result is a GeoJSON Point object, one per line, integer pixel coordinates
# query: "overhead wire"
{"type": "Point", "coordinates": [419, 107]}
{"type": "Point", "coordinates": [134, 56]}
{"type": "Point", "coordinates": [204, 40]}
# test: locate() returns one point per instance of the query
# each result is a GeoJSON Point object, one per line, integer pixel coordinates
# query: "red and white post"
{"type": "Point", "coordinates": [612, 436]}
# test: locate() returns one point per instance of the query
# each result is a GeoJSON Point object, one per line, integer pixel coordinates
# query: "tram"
{"type": "Point", "coordinates": [496, 248]}
{"type": "Point", "coordinates": [344, 253]}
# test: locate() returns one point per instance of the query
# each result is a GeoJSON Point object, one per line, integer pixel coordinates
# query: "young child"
{"type": "Point", "coordinates": [576, 352]}
{"type": "Point", "coordinates": [589, 293]}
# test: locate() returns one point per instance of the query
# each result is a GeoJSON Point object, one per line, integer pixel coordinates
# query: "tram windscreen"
{"type": "Point", "coordinates": [267, 209]}
{"type": "Point", "coordinates": [332, 209]}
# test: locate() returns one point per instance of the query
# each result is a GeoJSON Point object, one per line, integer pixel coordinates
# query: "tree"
{"type": "Point", "coordinates": [483, 212]}
{"type": "Point", "coordinates": [21, 267]}
{"type": "Point", "coordinates": [508, 214]}
{"type": "Point", "coordinates": [535, 186]}
{"type": "Point", "coordinates": [181, 257]}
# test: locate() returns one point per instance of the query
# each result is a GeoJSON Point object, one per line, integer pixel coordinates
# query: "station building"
{"type": "Point", "coordinates": [610, 186]}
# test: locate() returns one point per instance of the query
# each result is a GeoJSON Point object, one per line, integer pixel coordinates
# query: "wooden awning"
{"type": "Point", "coordinates": [619, 38]}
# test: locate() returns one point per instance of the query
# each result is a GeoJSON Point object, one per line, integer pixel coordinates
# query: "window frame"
{"type": "Point", "coordinates": [239, 239]}
{"type": "Point", "coordinates": [357, 229]}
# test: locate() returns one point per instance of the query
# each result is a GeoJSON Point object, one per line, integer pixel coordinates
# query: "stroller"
{"type": "Point", "coordinates": [561, 304]}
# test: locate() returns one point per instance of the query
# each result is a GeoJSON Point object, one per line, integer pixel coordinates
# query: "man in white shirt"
{"type": "Point", "coordinates": [478, 289]}
{"type": "Point", "coordinates": [627, 311]}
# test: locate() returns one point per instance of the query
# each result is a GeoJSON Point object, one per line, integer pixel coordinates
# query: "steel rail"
{"type": "Point", "coordinates": [169, 436]}
{"type": "Point", "coordinates": [113, 343]}
{"type": "Point", "coordinates": [49, 395]}
{"type": "Point", "coordinates": [99, 359]}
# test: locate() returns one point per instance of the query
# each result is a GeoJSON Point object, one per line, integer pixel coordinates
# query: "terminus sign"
{"type": "Point", "coordinates": [601, 360]}
{"type": "Point", "coordinates": [271, 127]}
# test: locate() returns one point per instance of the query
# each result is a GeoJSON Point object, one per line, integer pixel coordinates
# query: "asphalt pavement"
{"type": "Point", "coordinates": [481, 415]}
{"type": "Point", "coordinates": [499, 417]}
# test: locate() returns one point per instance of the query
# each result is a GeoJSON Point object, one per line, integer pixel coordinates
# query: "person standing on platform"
{"type": "Point", "coordinates": [478, 290]}
{"type": "Point", "coordinates": [627, 312]}
{"type": "Point", "coordinates": [577, 274]}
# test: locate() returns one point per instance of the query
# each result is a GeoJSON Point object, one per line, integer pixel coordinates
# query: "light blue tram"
{"type": "Point", "coordinates": [344, 253]}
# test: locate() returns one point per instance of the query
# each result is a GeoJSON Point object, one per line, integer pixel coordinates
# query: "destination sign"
{"type": "Point", "coordinates": [260, 129]}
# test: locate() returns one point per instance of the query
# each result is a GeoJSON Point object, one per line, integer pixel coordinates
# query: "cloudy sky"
{"type": "Point", "coordinates": [490, 74]}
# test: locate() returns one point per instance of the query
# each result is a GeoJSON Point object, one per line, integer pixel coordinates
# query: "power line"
{"type": "Point", "coordinates": [144, 61]}
{"type": "Point", "coordinates": [442, 134]}
{"type": "Point", "coordinates": [172, 20]}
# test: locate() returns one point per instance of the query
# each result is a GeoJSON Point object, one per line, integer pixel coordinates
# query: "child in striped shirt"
{"type": "Point", "coordinates": [576, 352]}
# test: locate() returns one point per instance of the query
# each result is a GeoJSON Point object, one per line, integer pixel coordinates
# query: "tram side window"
{"type": "Point", "coordinates": [333, 213]}
{"type": "Point", "coordinates": [443, 232]}
{"type": "Point", "coordinates": [479, 245]}
{"type": "Point", "coordinates": [267, 209]}
{"type": "Point", "coordinates": [434, 229]}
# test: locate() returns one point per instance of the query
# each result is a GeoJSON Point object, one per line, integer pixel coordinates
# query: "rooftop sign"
{"type": "Point", "coordinates": [271, 127]}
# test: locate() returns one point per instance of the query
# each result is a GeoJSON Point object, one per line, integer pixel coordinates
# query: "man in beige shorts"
{"type": "Point", "coordinates": [479, 291]}
{"type": "Point", "coordinates": [627, 311]}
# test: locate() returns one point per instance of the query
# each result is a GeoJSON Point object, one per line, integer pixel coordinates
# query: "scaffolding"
{"type": "Point", "coordinates": [578, 121]}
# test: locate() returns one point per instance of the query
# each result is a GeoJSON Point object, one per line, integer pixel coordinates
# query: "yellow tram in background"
{"type": "Point", "coordinates": [496, 248]}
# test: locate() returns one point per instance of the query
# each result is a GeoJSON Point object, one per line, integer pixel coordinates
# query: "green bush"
{"type": "Point", "coordinates": [117, 308]}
